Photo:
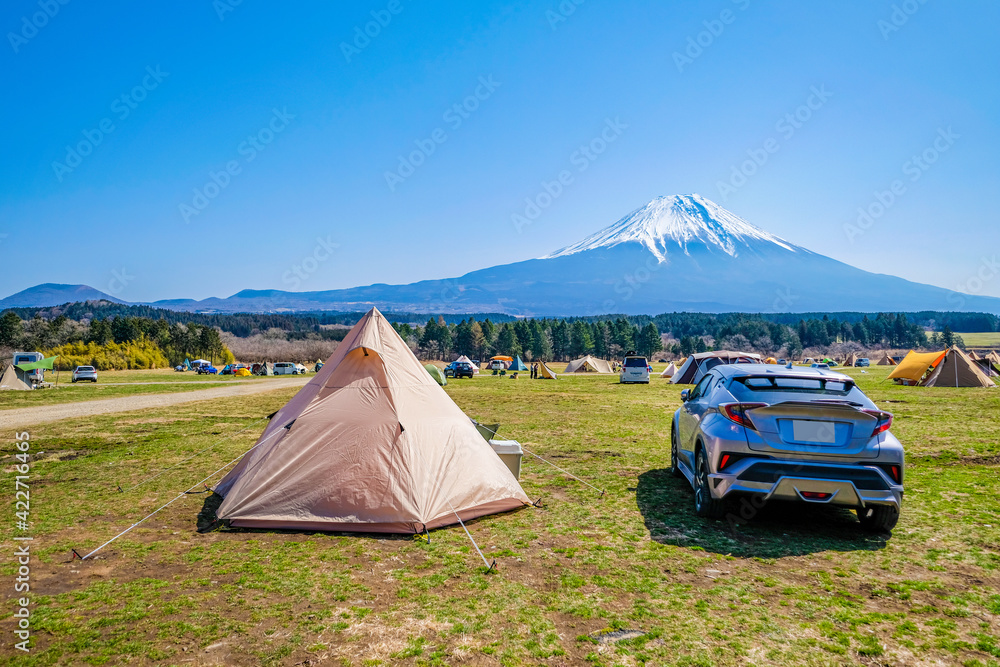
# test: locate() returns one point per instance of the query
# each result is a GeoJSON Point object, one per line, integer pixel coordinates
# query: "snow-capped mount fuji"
{"type": "Point", "coordinates": [676, 253]}
{"type": "Point", "coordinates": [677, 221]}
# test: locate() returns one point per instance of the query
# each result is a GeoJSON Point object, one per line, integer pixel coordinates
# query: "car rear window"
{"type": "Point", "coordinates": [746, 388]}
{"type": "Point", "coordinates": [633, 362]}
{"type": "Point", "coordinates": [86, 368]}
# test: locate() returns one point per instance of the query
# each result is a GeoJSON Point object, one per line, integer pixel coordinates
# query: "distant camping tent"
{"type": "Point", "coordinates": [994, 357]}
{"type": "Point", "coordinates": [669, 371]}
{"type": "Point", "coordinates": [771, 360]}
{"type": "Point", "coordinates": [988, 367]}
{"type": "Point", "coordinates": [10, 380]}
{"type": "Point", "coordinates": [475, 367]}
{"type": "Point", "coordinates": [187, 365]}
{"type": "Point", "coordinates": [545, 373]}
{"type": "Point", "coordinates": [588, 364]}
{"type": "Point", "coordinates": [914, 366]}
{"type": "Point", "coordinates": [697, 365]}
{"type": "Point", "coordinates": [370, 444]}
{"type": "Point", "coordinates": [507, 361]}
{"type": "Point", "coordinates": [517, 366]}
{"type": "Point", "coordinates": [957, 370]}
{"type": "Point", "coordinates": [436, 373]}
{"type": "Point", "coordinates": [886, 360]}
{"type": "Point", "coordinates": [851, 359]}
{"type": "Point", "coordinates": [972, 355]}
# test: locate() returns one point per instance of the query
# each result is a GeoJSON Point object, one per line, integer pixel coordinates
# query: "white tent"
{"type": "Point", "coordinates": [12, 381]}
{"type": "Point", "coordinates": [697, 365]}
{"type": "Point", "coordinates": [475, 367]}
{"type": "Point", "coordinates": [370, 444]}
{"type": "Point", "coordinates": [669, 371]}
{"type": "Point", "coordinates": [588, 364]}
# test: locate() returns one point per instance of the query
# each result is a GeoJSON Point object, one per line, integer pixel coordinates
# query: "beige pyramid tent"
{"type": "Point", "coordinates": [475, 367]}
{"type": "Point", "coordinates": [11, 380]}
{"type": "Point", "coordinates": [886, 360]}
{"type": "Point", "coordinates": [669, 371]}
{"type": "Point", "coordinates": [588, 364]}
{"type": "Point", "coordinates": [545, 373]}
{"type": "Point", "coordinates": [370, 444]}
{"type": "Point", "coordinates": [994, 357]}
{"type": "Point", "coordinates": [957, 370]}
{"type": "Point", "coordinates": [851, 359]}
{"type": "Point", "coordinates": [972, 355]}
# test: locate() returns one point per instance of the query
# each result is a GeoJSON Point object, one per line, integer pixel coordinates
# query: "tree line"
{"type": "Point", "coordinates": [176, 341]}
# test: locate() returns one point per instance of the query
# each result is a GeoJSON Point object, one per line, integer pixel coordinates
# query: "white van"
{"type": "Point", "coordinates": [634, 369]}
{"type": "Point", "coordinates": [31, 377]}
{"type": "Point", "coordinates": [285, 368]}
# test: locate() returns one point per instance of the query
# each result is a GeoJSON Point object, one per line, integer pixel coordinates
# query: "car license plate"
{"type": "Point", "coordinates": [814, 431]}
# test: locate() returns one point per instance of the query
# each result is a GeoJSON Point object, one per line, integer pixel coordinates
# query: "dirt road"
{"type": "Point", "coordinates": [20, 417]}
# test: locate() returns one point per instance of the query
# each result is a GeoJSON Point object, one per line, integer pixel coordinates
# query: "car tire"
{"type": "Point", "coordinates": [675, 463]}
{"type": "Point", "coordinates": [878, 518]}
{"type": "Point", "coordinates": [74, 381]}
{"type": "Point", "coordinates": [704, 504]}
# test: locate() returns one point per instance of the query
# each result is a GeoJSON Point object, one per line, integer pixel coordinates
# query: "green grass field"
{"type": "Point", "coordinates": [987, 339]}
{"type": "Point", "coordinates": [789, 587]}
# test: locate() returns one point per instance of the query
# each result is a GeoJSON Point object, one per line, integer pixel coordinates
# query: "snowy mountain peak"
{"type": "Point", "coordinates": [677, 222]}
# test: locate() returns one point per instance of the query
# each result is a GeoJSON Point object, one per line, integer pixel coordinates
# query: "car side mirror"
{"type": "Point", "coordinates": [685, 395]}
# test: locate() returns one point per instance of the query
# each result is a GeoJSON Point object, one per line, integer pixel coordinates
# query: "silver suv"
{"type": "Point", "coordinates": [801, 434]}
{"type": "Point", "coordinates": [81, 373]}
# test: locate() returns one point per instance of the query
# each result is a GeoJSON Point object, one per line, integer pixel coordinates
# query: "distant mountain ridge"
{"type": "Point", "coordinates": [675, 253]}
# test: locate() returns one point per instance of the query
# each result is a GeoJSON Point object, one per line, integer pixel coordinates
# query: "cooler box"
{"type": "Point", "coordinates": [510, 453]}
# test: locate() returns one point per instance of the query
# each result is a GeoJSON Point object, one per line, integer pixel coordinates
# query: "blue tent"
{"type": "Point", "coordinates": [187, 365]}
{"type": "Point", "coordinates": [517, 365]}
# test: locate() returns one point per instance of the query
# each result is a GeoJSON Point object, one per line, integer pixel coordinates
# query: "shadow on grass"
{"type": "Point", "coordinates": [776, 530]}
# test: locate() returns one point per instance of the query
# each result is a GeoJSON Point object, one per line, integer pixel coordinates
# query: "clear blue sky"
{"type": "Point", "coordinates": [552, 86]}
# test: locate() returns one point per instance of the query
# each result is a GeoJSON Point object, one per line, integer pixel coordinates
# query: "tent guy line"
{"type": "Point", "coordinates": [565, 471]}
{"type": "Point", "coordinates": [177, 497]}
{"type": "Point", "coordinates": [229, 437]}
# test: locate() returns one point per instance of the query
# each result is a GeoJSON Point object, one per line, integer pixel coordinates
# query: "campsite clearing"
{"type": "Point", "coordinates": [790, 586]}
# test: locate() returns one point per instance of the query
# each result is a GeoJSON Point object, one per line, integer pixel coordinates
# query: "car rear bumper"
{"type": "Point", "coordinates": [854, 486]}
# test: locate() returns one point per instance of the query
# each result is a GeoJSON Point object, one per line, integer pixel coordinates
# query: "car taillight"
{"type": "Point", "coordinates": [884, 422]}
{"type": "Point", "coordinates": [815, 495]}
{"type": "Point", "coordinates": [736, 412]}
{"type": "Point", "coordinates": [893, 470]}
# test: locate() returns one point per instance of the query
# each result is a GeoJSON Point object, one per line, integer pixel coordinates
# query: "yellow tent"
{"type": "Point", "coordinates": [770, 360]}
{"type": "Point", "coordinates": [545, 373]}
{"type": "Point", "coordinates": [915, 364]}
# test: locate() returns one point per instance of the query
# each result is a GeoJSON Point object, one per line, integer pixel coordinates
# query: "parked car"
{"type": "Point", "coordinates": [300, 368]}
{"type": "Point", "coordinates": [635, 369]}
{"type": "Point", "coordinates": [285, 368]}
{"type": "Point", "coordinates": [782, 362]}
{"type": "Point", "coordinates": [863, 361]}
{"type": "Point", "coordinates": [84, 373]}
{"type": "Point", "coordinates": [207, 369]}
{"type": "Point", "coordinates": [496, 365]}
{"type": "Point", "coordinates": [798, 434]}
{"type": "Point", "coordinates": [458, 369]}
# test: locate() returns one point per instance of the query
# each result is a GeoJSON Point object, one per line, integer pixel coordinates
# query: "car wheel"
{"type": "Point", "coordinates": [74, 381]}
{"type": "Point", "coordinates": [878, 518]}
{"type": "Point", "coordinates": [704, 504]}
{"type": "Point", "coordinates": [675, 463]}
